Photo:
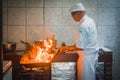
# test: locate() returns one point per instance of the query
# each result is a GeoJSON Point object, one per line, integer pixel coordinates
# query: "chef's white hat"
{"type": "Point", "coordinates": [77, 7]}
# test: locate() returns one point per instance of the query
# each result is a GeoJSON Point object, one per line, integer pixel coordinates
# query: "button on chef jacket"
{"type": "Point", "coordinates": [88, 42]}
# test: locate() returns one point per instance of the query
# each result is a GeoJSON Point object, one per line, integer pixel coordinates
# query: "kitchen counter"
{"type": "Point", "coordinates": [61, 57]}
{"type": "Point", "coordinates": [105, 56]}
{"type": "Point", "coordinates": [16, 56]}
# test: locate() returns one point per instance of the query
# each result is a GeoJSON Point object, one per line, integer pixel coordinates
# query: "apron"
{"type": "Point", "coordinates": [89, 66]}
{"type": "Point", "coordinates": [86, 65]}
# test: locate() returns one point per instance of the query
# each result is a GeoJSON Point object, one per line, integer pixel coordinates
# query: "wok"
{"type": "Point", "coordinates": [39, 64]}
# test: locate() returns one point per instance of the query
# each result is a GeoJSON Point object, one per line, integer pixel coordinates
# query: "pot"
{"type": "Point", "coordinates": [9, 47]}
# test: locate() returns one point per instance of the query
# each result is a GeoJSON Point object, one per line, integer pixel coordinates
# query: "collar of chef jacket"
{"type": "Point", "coordinates": [83, 18]}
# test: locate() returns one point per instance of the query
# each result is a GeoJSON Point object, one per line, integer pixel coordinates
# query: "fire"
{"type": "Point", "coordinates": [43, 56]}
{"type": "Point", "coordinates": [39, 52]}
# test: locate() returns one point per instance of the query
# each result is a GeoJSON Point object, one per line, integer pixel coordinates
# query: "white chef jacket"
{"type": "Point", "coordinates": [88, 35]}
{"type": "Point", "coordinates": [88, 42]}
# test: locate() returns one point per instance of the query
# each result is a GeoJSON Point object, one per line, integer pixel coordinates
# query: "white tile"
{"type": "Point", "coordinates": [16, 3]}
{"type": "Point", "coordinates": [34, 3]}
{"type": "Point", "coordinates": [53, 3]}
{"type": "Point", "coordinates": [118, 16]}
{"type": "Point", "coordinates": [49, 32]}
{"type": "Point", "coordinates": [69, 3]}
{"type": "Point", "coordinates": [108, 3]}
{"type": "Point", "coordinates": [16, 33]}
{"type": "Point", "coordinates": [20, 46]}
{"type": "Point", "coordinates": [106, 16]}
{"type": "Point", "coordinates": [16, 16]}
{"type": "Point", "coordinates": [86, 3]}
{"type": "Point", "coordinates": [89, 3]}
{"type": "Point", "coordinates": [4, 3]}
{"type": "Point", "coordinates": [4, 14]}
{"type": "Point", "coordinates": [92, 13]}
{"type": "Point", "coordinates": [108, 35]}
{"type": "Point", "coordinates": [62, 33]}
{"type": "Point", "coordinates": [34, 33]}
{"type": "Point", "coordinates": [4, 32]}
{"type": "Point", "coordinates": [34, 16]}
{"type": "Point", "coordinates": [67, 18]}
{"type": "Point", "coordinates": [53, 16]}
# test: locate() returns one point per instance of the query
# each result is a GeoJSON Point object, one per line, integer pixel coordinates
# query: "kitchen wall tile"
{"type": "Point", "coordinates": [89, 3]}
{"type": "Point", "coordinates": [16, 16]}
{"type": "Point", "coordinates": [4, 3]}
{"type": "Point", "coordinates": [108, 35]}
{"type": "Point", "coordinates": [4, 32]}
{"type": "Point", "coordinates": [53, 16]}
{"type": "Point", "coordinates": [62, 33]}
{"type": "Point", "coordinates": [34, 16]}
{"type": "Point", "coordinates": [86, 3]}
{"type": "Point", "coordinates": [92, 13]}
{"type": "Point", "coordinates": [117, 16]}
{"type": "Point", "coordinates": [20, 46]}
{"type": "Point", "coordinates": [118, 37]}
{"type": "Point", "coordinates": [67, 18]}
{"type": "Point", "coordinates": [108, 3]}
{"type": "Point", "coordinates": [4, 18]}
{"type": "Point", "coordinates": [70, 34]}
{"type": "Point", "coordinates": [68, 3]}
{"type": "Point", "coordinates": [53, 3]}
{"type": "Point", "coordinates": [34, 33]}
{"type": "Point", "coordinates": [16, 3]}
{"type": "Point", "coordinates": [115, 73]}
{"type": "Point", "coordinates": [49, 32]}
{"type": "Point", "coordinates": [116, 76]}
{"type": "Point", "coordinates": [16, 33]}
{"type": "Point", "coordinates": [106, 16]}
{"type": "Point", "coordinates": [34, 3]}
{"type": "Point", "coordinates": [116, 64]}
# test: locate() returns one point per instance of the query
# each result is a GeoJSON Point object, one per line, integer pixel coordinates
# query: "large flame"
{"type": "Point", "coordinates": [39, 52]}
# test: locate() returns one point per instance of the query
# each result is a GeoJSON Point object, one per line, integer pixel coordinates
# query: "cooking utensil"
{"type": "Point", "coordinates": [9, 47]}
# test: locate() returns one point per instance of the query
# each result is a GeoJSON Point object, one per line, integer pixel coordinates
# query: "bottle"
{"type": "Point", "coordinates": [63, 44]}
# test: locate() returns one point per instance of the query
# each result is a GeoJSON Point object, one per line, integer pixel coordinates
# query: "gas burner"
{"type": "Point", "coordinates": [35, 72]}
{"type": "Point", "coordinates": [31, 75]}
{"type": "Point", "coordinates": [39, 73]}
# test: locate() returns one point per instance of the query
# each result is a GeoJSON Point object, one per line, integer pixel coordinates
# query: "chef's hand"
{"type": "Point", "coordinates": [67, 48]}
{"type": "Point", "coordinates": [61, 49]}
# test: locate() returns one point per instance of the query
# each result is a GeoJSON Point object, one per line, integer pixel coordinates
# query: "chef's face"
{"type": "Point", "coordinates": [77, 15]}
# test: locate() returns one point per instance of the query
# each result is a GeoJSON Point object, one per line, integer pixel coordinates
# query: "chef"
{"type": "Point", "coordinates": [87, 43]}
